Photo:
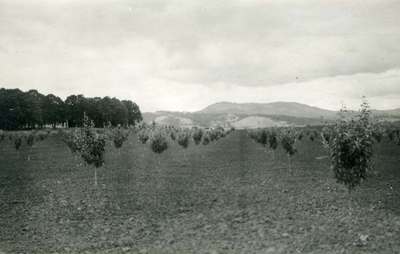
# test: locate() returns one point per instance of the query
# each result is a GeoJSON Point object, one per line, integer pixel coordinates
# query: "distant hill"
{"type": "Point", "coordinates": [255, 115]}
{"type": "Point", "coordinates": [275, 108]}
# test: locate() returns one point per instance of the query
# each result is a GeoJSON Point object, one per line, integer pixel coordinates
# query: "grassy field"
{"type": "Point", "coordinates": [232, 196]}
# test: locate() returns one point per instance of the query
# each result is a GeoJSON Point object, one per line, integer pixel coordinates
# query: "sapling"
{"type": "Point", "coordinates": [263, 138]}
{"type": "Point", "coordinates": [377, 133]}
{"type": "Point", "coordinates": [351, 148]}
{"type": "Point", "coordinates": [143, 136]}
{"type": "Point", "coordinates": [17, 142]}
{"type": "Point", "coordinates": [273, 141]}
{"type": "Point", "coordinates": [30, 140]}
{"type": "Point", "coordinates": [300, 136]}
{"type": "Point", "coordinates": [158, 143]}
{"type": "Point", "coordinates": [197, 135]}
{"type": "Point", "coordinates": [70, 139]}
{"type": "Point", "coordinates": [183, 141]}
{"type": "Point", "coordinates": [213, 135]}
{"type": "Point", "coordinates": [220, 132]}
{"type": "Point", "coordinates": [396, 136]}
{"type": "Point", "coordinates": [206, 138]}
{"type": "Point", "coordinates": [260, 136]}
{"type": "Point", "coordinates": [326, 134]}
{"type": "Point", "coordinates": [172, 135]}
{"type": "Point", "coordinates": [315, 134]}
{"type": "Point", "coordinates": [390, 134]}
{"type": "Point", "coordinates": [89, 145]}
{"type": "Point", "coordinates": [119, 136]}
{"type": "Point", "coordinates": [288, 141]}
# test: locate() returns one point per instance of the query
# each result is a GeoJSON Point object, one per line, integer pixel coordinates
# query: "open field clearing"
{"type": "Point", "coordinates": [232, 196]}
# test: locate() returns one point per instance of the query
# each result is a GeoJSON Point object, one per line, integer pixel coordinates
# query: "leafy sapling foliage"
{"type": "Point", "coordinates": [30, 139]}
{"type": "Point", "coordinates": [17, 142]}
{"type": "Point", "coordinates": [394, 135]}
{"type": "Point", "coordinates": [213, 134]}
{"type": "Point", "coordinates": [326, 135]}
{"type": "Point", "coordinates": [88, 144]}
{"type": "Point", "coordinates": [273, 141]}
{"type": "Point", "coordinates": [263, 138]}
{"type": "Point", "coordinates": [71, 139]}
{"type": "Point", "coordinates": [313, 135]}
{"type": "Point", "coordinates": [300, 136]}
{"type": "Point", "coordinates": [183, 139]}
{"type": "Point", "coordinates": [260, 136]}
{"type": "Point", "coordinates": [377, 133]}
{"type": "Point", "coordinates": [206, 138]}
{"type": "Point", "coordinates": [143, 136]}
{"type": "Point", "coordinates": [119, 136]}
{"type": "Point", "coordinates": [172, 135]}
{"type": "Point", "coordinates": [350, 148]}
{"type": "Point", "coordinates": [390, 134]}
{"type": "Point", "coordinates": [288, 141]}
{"type": "Point", "coordinates": [158, 143]}
{"type": "Point", "coordinates": [197, 135]}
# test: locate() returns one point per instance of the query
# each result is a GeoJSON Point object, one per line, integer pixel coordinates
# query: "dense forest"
{"type": "Point", "coordinates": [31, 109]}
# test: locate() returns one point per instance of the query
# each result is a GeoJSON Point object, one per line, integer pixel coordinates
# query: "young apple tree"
{"type": "Point", "coordinates": [288, 141]}
{"type": "Point", "coordinates": [89, 144]}
{"type": "Point", "coordinates": [350, 148]}
{"type": "Point", "coordinates": [17, 141]}
{"type": "Point", "coordinates": [158, 143]}
{"type": "Point", "coordinates": [197, 135]}
{"type": "Point", "coordinates": [273, 141]}
{"type": "Point", "coordinates": [119, 136]}
{"type": "Point", "coordinates": [183, 141]}
{"type": "Point", "coordinates": [143, 136]}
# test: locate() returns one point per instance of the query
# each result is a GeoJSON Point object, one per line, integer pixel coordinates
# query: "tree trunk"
{"type": "Point", "coordinates": [95, 177]}
{"type": "Point", "coordinates": [29, 154]}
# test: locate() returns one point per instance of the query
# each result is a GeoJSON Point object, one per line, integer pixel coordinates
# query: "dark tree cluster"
{"type": "Point", "coordinates": [31, 109]}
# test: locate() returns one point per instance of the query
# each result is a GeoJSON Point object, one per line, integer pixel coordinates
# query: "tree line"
{"type": "Point", "coordinates": [31, 109]}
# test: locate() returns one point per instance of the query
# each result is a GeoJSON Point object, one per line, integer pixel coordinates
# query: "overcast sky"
{"type": "Point", "coordinates": [185, 55]}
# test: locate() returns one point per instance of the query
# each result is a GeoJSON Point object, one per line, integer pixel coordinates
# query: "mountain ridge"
{"type": "Point", "coordinates": [274, 108]}
{"type": "Point", "coordinates": [256, 115]}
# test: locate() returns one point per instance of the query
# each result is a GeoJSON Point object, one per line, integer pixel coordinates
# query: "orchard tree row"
{"type": "Point", "coordinates": [90, 143]}
{"type": "Point", "coordinates": [31, 109]}
{"type": "Point", "coordinates": [160, 136]}
{"type": "Point", "coordinates": [349, 142]}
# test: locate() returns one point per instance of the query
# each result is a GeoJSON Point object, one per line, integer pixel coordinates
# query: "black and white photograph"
{"type": "Point", "coordinates": [204, 127]}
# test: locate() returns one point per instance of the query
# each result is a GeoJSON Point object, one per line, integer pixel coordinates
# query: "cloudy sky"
{"type": "Point", "coordinates": [185, 55]}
